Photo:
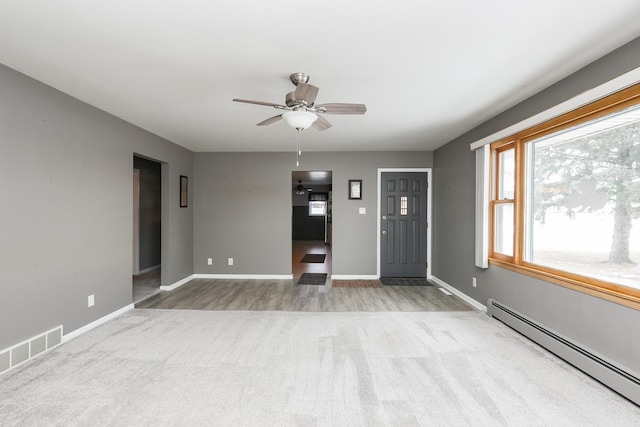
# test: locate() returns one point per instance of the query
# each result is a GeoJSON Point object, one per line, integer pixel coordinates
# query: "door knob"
{"type": "Point", "coordinates": [384, 231]}
{"type": "Point", "coordinates": [384, 217]}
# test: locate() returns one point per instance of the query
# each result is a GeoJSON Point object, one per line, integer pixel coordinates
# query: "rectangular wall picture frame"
{"type": "Point", "coordinates": [184, 191]}
{"type": "Point", "coordinates": [355, 189]}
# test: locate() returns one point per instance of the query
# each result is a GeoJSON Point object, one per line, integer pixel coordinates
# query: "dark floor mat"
{"type": "Point", "coordinates": [313, 258]}
{"type": "Point", "coordinates": [312, 279]}
{"type": "Point", "coordinates": [404, 281]}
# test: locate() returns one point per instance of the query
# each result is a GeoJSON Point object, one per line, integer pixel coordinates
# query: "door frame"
{"type": "Point", "coordinates": [379, 213]}
{"type": "Point", "coordinates": [136, 222]}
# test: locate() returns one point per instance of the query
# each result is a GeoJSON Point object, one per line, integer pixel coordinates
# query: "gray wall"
{"type": "Point", "coordinates": [606, 327]}
{"type": "Point", "coordinates": [66, 219]}
{"type": "Point", "coordinates": [243, 209]}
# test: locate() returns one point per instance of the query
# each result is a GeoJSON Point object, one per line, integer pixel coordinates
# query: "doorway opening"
{"type": "Point", "coordinates": [311, 223]}
{"type": "Point", "coordinates": [147, 225]}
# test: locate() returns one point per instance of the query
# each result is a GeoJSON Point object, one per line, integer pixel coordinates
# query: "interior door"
{"type": "Point", "coordinates": [403, 244]}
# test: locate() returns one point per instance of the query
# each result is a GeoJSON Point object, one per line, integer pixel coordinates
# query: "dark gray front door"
{"type": "Point", "coordinates": [403, 244]}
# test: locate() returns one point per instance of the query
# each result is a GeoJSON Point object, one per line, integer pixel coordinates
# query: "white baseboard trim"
{"type": "Point", "coordinates": [354, 277]}
{"type": "Point", "coordinates": [148, 270]}
{"type": "Point", "coordinates": [95, 323]}
{"type": "Point", "coordinates": [244, 276]}
{"type": "Point", "coordinates": [459, 294]}
{"type": "Point", "coordinates": [226, 276]}
{"type": "Point", "coordinates": [178, 283]}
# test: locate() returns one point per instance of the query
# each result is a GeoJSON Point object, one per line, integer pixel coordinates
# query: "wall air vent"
{"type": "Point", "coordinates": [20, 353]}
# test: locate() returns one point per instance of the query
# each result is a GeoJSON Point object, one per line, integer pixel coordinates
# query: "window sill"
{"type": "Point", "coordinates": [622, 295]}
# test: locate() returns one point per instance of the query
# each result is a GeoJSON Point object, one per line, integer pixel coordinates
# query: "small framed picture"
{"type": "Point", "coordinates": [355, 189]}
{"type": "Point", "coordinates": [184, 191]}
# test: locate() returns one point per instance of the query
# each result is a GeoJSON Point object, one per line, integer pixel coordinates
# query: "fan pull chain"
{"type": "Point", "coordinates": [298, 151]}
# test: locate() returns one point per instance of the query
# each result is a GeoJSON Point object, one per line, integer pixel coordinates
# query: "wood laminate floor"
{"type": "Point", "coordinates": [285, 295]}
{"type": "Point", "coordinates": [302, 247]}
{"type": "Point", "coordinates": [146, 285]}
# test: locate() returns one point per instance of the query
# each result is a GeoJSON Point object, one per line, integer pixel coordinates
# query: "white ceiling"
{"type": "Point", "coordinates": [428, 70]}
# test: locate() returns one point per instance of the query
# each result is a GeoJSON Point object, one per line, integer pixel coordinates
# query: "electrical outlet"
{"type": "Point", "coordinates": [230, 260]}
{"type": "Point", "coordinates": [90, 301]}
{"type": "Point", "coordinates": [210, 261]}
{"type": "Point", "coordinates": [474, 282]}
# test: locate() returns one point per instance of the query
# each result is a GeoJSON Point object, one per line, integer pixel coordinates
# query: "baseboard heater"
{"type": "Point", "coordinates": [613, 375]}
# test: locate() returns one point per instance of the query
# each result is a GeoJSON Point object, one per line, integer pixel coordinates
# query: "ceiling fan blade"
{"type": "Point", "coordinates": [270, 120]}
{"type": "Point", "coordinates": [268, 104]}
{"type": "Point", "coordinates": [306, 92]}
{"type": "Point", "coordinates": [321, 123]}
{"type": "Point", "coordinates": [340, 108]}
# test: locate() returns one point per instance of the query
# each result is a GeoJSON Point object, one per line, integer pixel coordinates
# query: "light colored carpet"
{"type": "Point", "coordinates": [180, 367]}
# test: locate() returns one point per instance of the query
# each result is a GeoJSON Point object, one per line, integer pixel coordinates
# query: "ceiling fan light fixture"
{"type": "Point", "coordinates": [299, 119]}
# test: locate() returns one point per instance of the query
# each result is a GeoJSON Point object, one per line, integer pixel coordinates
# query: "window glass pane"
{"type": "Point", "coordinates": [583, 199]}
{"type": "Point", "coordinates": [317, 208]}
{"type": "Point", "coordinates": [506, 179]}
{"type": "Point", "coordinates": [403, 205]}
{"type": "Point", "coordinates": [503, 233]}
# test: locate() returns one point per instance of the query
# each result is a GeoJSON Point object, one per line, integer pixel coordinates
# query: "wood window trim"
{"type": "Point", "coordinates": [619, 294]}
{"type": "Point", "coordinates": [610, 104]}
{"type": "Point", "coordinates": [604, 290]}
{"type": "Point", "coordinates": [496, 149]}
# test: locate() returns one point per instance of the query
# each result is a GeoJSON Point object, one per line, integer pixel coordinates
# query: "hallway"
{"type": "Point", "coordinates": [146, 285]}
{"type": "Point", "coordinates": [302, 247]}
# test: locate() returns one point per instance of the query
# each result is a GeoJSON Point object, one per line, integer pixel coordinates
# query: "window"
{"type": "Point", "coordinates": [502, 202]}
{"type": "Point", "coordinates": [404, 206]}
{"type": "Point", "coordinates": [317, 208]}
{"type": "Point", "coordinates": [565, 199]}
{"type": "Point", "coordinates": [318, 204]}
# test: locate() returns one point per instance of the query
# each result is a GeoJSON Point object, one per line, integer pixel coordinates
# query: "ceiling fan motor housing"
{"type": "Point", "coordinates": [291, 100]}
{"type": "Point", "coordinates": [299, 78]}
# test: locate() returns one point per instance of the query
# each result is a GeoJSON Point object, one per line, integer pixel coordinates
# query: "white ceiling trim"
{"type": "Point", "coordinates": [625, 80]}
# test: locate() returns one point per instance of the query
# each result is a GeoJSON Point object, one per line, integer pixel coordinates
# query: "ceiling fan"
{"type": "Point", "coordinates": [301, 110]}
{"type": "Point", "coordinates": [300, 189]}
